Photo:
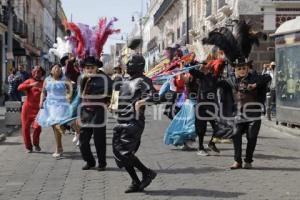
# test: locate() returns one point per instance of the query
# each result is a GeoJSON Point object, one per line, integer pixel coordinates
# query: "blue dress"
{"type": "Point", "coordinates": [182, 127]}
{"type": "Point", "coordinates": [72, 112]}
{"type": "Point", "coordinates": [55, 106]}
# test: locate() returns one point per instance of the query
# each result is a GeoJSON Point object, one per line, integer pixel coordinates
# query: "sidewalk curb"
{"type": "Point", "coordinates": [291, 131]}
{"type": "Point", "coordinates": [8, 132]}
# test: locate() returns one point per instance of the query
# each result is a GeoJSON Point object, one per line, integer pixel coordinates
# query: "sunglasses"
{"type": "Point", "coordinates": [90, 67]}
{"type": "Point", "coordinates": [241, 68]}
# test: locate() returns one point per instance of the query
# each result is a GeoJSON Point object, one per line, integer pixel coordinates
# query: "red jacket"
{"type": "Point", "coordinates": [33, 93]}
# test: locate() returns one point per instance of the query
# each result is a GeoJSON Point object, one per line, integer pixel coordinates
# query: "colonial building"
{"type": "Point", "coordinates": [169, 23]}
{"type": "Point", "coordinates": [151, 35]}
{"type": "Point", "coordinates": [264, 15]}
{"type": "Point", "coordinates": [33, 32]}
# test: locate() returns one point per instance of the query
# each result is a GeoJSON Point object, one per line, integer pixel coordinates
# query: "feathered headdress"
{"type": "Point", "coordinates": [61, 49]}
{"type": "Point", "coordinates": [236, 44]}
{"type": "Point", "coordinates": [89, 41]}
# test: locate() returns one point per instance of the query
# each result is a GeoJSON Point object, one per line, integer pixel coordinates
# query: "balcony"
{"type": "Point", "coordinates": [284, 2]}
{"type": "Point", "coordinates": [19, 27]}
{"type": "Point", "coordinates": [152, 44]}
{"type": "Point", "coordinates": [3, 15]}
{"type": "Point", "coordinates": [164, 7]}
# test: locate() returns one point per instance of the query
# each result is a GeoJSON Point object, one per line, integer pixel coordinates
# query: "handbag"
{"type": "Point", "coordinates": [114, 102]}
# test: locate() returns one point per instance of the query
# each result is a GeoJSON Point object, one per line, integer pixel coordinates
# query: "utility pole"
{"type": "Point", "coordinates": [9, 54]}
{"type": "Point", "coordinates": [187, 21]}
{"type": "Point", "coordinates": [56, 19]}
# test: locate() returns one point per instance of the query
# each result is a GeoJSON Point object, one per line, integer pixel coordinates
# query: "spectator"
{"type": "Point", "coordinates": [14, 81]}
{"type": "Point", "coordinates": [23, 77]}
{"type": "Point", "coordinates": [22, 73]}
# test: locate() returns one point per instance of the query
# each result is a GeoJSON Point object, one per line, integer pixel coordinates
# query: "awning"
{"type": "Point", "coordinates": [32, 50]}
{"type": "Point", "coordinates": [18, 49]}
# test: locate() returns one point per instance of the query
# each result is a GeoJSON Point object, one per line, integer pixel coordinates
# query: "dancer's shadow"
{"type": "Point", "coordinates": [189, 170]}
{"type": "Point", "coordinates": [194, 192]}
{"type": "Point", "coordinates": [11, 143]}
{"type": "Point", "coordinates": [77, 156]}
{"type": "Point", "coordinates": [270, 157]}
{"type": "Point", "coordinates": [268, 137]}
{"type": "Point", "coordinates": [275, 157]}
{"type": "Point", "coordinates": [291, 169]}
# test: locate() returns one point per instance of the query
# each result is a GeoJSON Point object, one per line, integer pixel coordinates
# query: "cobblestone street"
{"type": "Point", "coordinates": [181, 174]}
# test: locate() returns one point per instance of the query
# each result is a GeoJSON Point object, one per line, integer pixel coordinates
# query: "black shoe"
{"type": "Point", "coordinates": [87, 167]}
{"type": "Point", "coordinates": [134, 188]}
{"type": "Point", "coordinates": [37, 148]}
{"type": "Point", "coordinates": [100, 169]}
{"type": "Point", "coordinates": [147, 179]}
{"type": "Point", "coordinates": [212, 147]}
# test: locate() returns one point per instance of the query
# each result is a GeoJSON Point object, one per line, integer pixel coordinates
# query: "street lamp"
{"type": "Point", "coordinates": [140, 15]}
{"type": "Point", "coordinates": [187, 22]}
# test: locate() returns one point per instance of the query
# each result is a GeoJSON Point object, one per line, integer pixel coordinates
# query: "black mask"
{"type": "Point", "coordinates": [135, 65]}
{"type": "Point", "coordinates": [134, 70]}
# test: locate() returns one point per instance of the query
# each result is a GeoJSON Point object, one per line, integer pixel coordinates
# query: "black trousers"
{"type": "Point", "coordinates": [251, 129]}
{"type": "Point", "coordinates": [99, 135]}
{"type": "Point", "coordinates": [170, 109]}
{"type": "Point", "coordinates": [201, 126]}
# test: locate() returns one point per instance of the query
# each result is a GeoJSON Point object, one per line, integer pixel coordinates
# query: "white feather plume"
{"type": "Point", "coordinates": [61, 48]}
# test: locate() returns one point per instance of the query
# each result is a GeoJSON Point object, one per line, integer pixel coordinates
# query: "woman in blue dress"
{"type": "Point", "coordinates": [181, 131]}
{"type": "Point", "coordinates": [54, 105]}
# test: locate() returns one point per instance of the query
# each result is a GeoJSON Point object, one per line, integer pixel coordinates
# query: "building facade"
{"type": "Point", "coordinates": [33, 33]}
{"type": "Point", "coordinates": [174, 17]}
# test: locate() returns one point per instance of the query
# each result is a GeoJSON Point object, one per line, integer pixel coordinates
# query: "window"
{"type": "Point", "coordinates": [221, 3]}
{"type": "Point", "coordinates": [178, 33]}
{"type": "Point", "coordinates": [173, 37]}
{"type": "Point", "coordinates": [208, 7]}
{"type": "Point", "coordinates": [183, 28]}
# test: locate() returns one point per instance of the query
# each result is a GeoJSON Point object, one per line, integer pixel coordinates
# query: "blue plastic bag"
{"type": "Point", "coordinates": [164, 88]}
{"type": "Point", "coordinates": [182, 127]}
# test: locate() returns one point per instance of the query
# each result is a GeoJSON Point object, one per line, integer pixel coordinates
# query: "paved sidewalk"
{"type": "Point", "coordinates": [181, 174]}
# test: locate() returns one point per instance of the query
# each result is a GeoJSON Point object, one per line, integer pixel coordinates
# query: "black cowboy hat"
{"type": "Point", "coordinates": [92, 61]}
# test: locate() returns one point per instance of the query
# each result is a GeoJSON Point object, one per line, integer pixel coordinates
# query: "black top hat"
{"type": "Point", "coordinates": [241, 61]}
{"type": "Point", "coordinates": [63, 59]}
{"type": "Point", "coordinates": [92, 61]}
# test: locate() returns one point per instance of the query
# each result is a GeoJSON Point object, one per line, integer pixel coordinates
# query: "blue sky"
{"type": "Point", "coordinates": [89, 11]}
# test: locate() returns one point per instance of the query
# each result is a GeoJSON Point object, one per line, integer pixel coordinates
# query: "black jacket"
{"type": "Point", "coordinates": [235, 96]}
{"type": "Point", "coordinates": [95, 95]}
{"type": "Point", "coordinates": [132, 90]}
{"type": "Point", "coordinates": [207, 86]}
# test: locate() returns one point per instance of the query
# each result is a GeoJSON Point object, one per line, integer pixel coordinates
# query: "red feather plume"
{"type": "Point", "coordinates": [103, 33]}
{"type": "Point", "coordinates": [80, 40]}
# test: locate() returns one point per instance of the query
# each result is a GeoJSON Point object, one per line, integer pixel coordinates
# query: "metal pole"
{"type": "Point", "coordinates": [141, 24]}
{"type": "Point", "coordinates": [187, 21]}
{"type": "Point", "coordinates": [10, 4]}
{"type": "Point", "coordinates": [141, 34]}
{"type": "Point", "coordinates": [56, 12]}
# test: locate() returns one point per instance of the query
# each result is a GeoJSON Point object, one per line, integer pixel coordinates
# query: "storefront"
{"type": "Point", "coordinates": [287, 41]}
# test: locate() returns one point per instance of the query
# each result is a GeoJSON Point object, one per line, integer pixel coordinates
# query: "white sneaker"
{"type": "Point", "coordinates": [202, 152]}
{"type": "Point", "coordinates": [78, 143]}
{"type": "Point", "coordinates": [190, 144]}
{"type": "Point", "coordinates": [75, 138]}
{"type": "Point", "coordinates": [56, 155]}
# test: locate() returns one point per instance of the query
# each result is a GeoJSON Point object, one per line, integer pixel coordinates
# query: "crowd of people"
{"type": "Point", "coordinates": [224, 91]}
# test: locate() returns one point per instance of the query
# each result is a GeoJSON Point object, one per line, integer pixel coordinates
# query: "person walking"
{"type": "Point", "coordinates": [96, 90]}
{"type": "Point", "coordinates": [131, 122]}
{"type": "Point", "coordinates": [33, 89]}
{"type": "Point", "coordinates": [54, 105]}
{"type": "Point", "coordinates": [13, 82]}
{"type": "Point", "coordinates": [242, 93]}
{"type": "Point", "coordinates": [271, 95]}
